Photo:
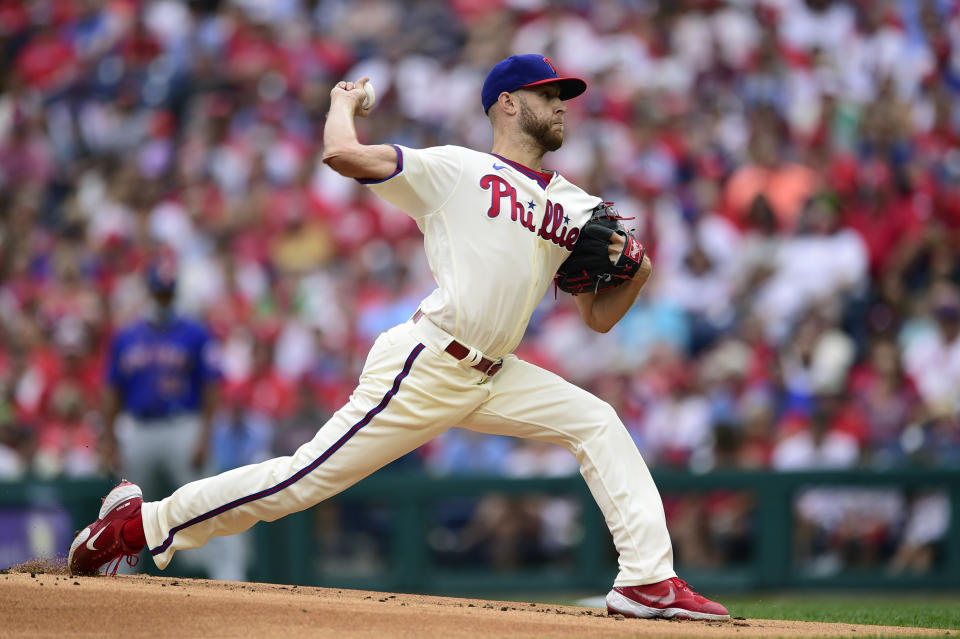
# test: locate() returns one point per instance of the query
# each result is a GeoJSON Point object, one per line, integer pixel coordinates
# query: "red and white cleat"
{"type": "Point", "coordinates": [102, 541]}
{"type": "Point", "coordinates": [670, 598]}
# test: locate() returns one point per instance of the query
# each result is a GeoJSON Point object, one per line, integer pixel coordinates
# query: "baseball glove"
{"type": "Point", "coordinates": [588, 268]}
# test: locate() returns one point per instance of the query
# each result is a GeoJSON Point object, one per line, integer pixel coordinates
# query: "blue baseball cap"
{"type": "Point", "coordinates": [162, 277]}
{"type": "Point", "coordinates": [524, 71]}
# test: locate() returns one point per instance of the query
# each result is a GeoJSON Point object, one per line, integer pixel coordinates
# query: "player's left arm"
{"type": "Point", "coordinates": [342, 151]}
{"type": "Point", "coordinates": [601, 311]}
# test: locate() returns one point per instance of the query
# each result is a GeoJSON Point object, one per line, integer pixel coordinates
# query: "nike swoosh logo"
{"type": "Point", "coordinates": [497, 167]}
{"type": "Point", "coordinates": [664, 599]}
{"type": "Point", "coordinates": [94, 538]}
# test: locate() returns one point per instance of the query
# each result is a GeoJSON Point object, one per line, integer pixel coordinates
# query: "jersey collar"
{"type": "Point", "coordinates": [540, 177]}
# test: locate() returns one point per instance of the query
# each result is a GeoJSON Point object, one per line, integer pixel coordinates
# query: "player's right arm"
{"type": "Point", "coordinates": [341, 149]}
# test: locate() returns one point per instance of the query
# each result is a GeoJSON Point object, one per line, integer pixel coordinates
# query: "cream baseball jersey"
{"type": "Point", "coordinates": [494, 234]}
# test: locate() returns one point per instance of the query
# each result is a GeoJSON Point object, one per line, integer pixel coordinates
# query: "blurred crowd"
{"type": "Point", "coordinates": [792, 166]}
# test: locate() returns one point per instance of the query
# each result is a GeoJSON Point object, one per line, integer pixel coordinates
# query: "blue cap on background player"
{"type": "Point", "coordinates": [162, 276]}
{"type": "Point", "coordinates": [524, 71]}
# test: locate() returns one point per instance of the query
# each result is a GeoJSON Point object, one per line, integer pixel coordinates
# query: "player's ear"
{"type": "Point", "coordinates": [508, 103]}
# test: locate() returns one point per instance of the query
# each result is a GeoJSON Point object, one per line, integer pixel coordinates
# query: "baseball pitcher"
{"type": "Point", "coordinates": [498, 231]}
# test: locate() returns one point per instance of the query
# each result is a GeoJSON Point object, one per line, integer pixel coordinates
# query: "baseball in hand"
{"type": "Point", "coordinates": [369, 98]}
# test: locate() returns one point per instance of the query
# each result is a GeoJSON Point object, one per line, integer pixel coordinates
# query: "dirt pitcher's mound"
{"type": "Point", "coordinates": [48, 604]}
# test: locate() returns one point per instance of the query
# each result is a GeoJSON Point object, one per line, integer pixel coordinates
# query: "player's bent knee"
{"type": "Point", "coordinates": [604, 418]}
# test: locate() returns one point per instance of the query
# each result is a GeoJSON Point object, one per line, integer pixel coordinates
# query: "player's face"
{"type": "Point", "coordinates": [541, 115]}
{"type": "Point", "coordinates": [163, 298]}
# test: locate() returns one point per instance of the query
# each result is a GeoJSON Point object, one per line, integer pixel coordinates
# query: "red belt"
{"type": "Point", "coordinates": [458, 350]}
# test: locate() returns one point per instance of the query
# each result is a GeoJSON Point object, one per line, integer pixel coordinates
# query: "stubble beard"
{"type": "Point", "coordinates": [540, 130]}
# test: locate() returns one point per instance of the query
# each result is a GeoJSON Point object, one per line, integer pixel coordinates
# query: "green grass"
{"type": "Point", "coordinates": [916, 610]}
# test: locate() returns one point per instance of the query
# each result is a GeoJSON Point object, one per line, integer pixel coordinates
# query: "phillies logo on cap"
{"type": "Point", "coordinates": [524, 72]}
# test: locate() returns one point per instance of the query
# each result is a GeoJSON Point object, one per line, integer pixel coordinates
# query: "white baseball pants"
{"type": "Point", "coordinates": [410, 391]}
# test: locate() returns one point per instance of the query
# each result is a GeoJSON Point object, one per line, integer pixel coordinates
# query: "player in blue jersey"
{"type": "Point", "coordinates": [161, 393]}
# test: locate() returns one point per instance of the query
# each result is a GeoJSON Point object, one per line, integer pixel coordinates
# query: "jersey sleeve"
{"type": "Point", "coordinates": [423, 181]}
